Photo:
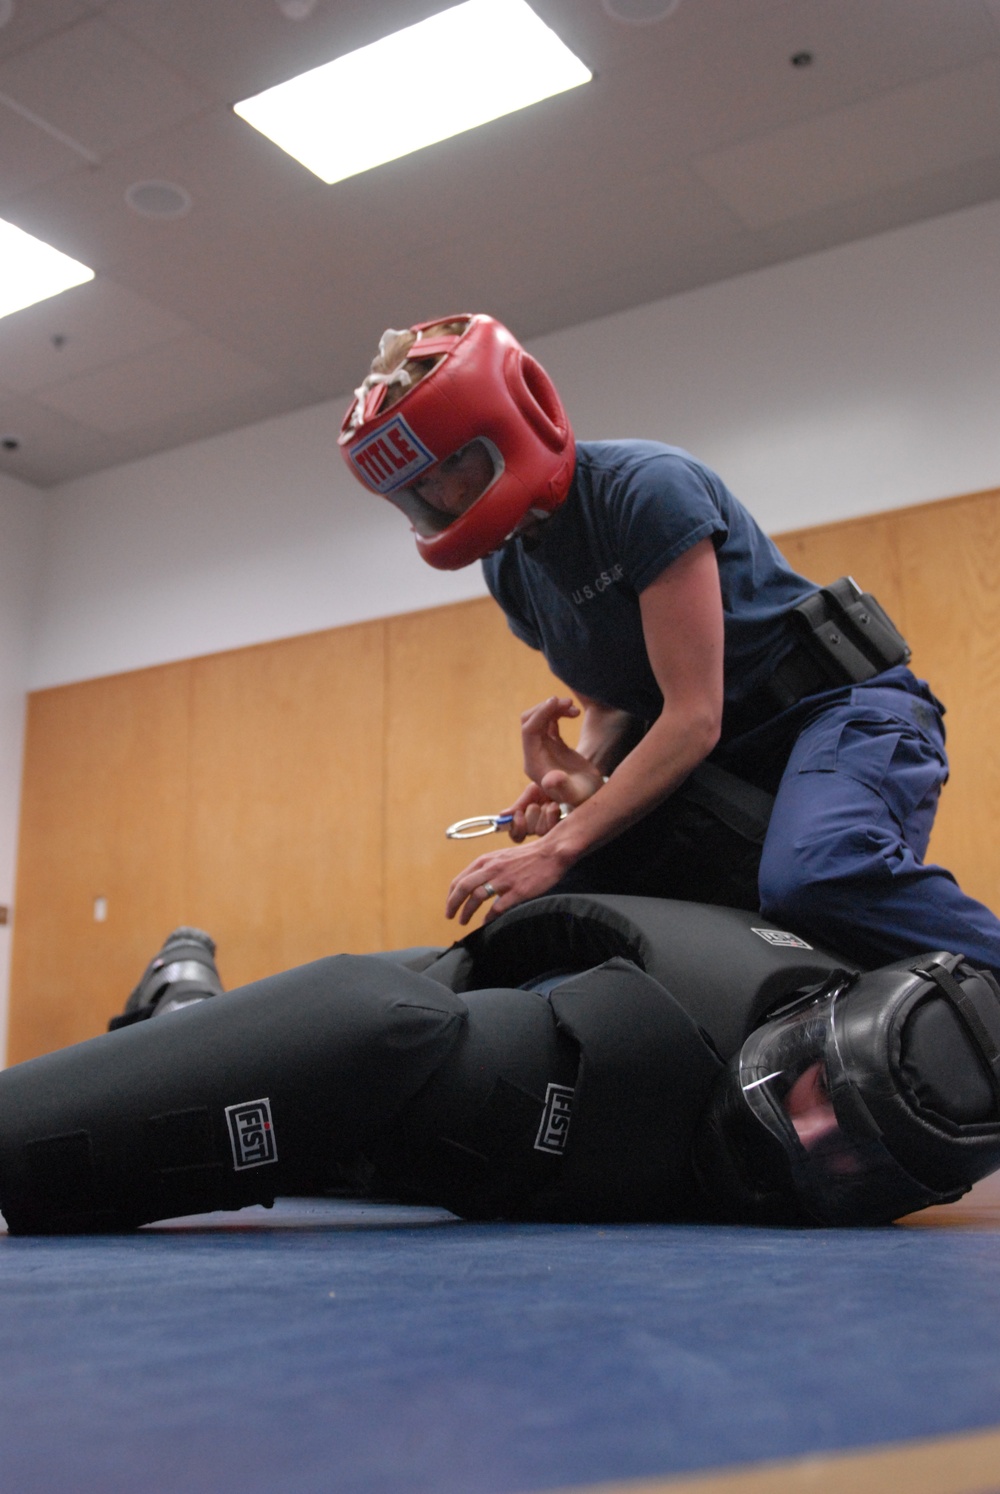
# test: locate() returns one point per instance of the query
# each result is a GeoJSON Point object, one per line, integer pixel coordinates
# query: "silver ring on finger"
{"type": "Point", "coordinates": [490, 890]}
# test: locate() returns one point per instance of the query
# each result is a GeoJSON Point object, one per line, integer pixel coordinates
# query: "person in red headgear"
{"type": "Point", "coordinates": [709, 673]}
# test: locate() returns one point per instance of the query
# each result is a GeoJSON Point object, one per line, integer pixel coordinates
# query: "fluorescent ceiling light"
{"type": "Point", "coordinates": [31, 271]}
{"type": "Point", "coordinates": [450, 73]}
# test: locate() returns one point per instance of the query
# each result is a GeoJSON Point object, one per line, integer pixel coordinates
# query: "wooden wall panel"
{"type": "Point", "coordinates": [283, 852]}
{"type": "Point", "coordinates": [935, 568]}
{"type": "Point", "coordinates": [952, 562]}
{"type": "Point", "coordinates": [866, 549]}
{"type": "Point", "coordinates": [458, 681]}
{"type": "Point", "coordinates": [241, 792]}
{"type": "Point", "coordinates": [102, 815]}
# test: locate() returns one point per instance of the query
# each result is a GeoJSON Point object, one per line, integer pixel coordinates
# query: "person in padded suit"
{"type": "Point", "coordinates": [695, 651]}
{"type": "Point", "coordinates": [579, 1058]}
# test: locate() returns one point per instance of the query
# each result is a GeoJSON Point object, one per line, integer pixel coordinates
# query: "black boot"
{"type": "Point", "coordinates": [183, 972]}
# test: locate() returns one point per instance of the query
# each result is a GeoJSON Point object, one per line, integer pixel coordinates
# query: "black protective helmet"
{"type": "Point", "coordinates": [864, 1099]}
{"type": "Point", "coordinates": [182, 972]}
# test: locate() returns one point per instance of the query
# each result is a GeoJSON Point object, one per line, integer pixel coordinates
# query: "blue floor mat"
{"type": "Point", "coordinates": [329, 1346]}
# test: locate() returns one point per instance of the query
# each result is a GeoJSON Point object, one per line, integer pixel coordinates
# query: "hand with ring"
{"type": "Point", "coordinates": [509, 876]}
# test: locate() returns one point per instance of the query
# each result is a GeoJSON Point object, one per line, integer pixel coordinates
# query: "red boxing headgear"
{"type": "Point", "coordinates": [482, 387]}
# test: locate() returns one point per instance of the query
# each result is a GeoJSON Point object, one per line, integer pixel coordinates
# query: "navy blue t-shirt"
{"type": "Point", "coordinates": [634, 508]}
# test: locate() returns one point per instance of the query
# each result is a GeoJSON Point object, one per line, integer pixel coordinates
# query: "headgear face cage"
{"type": "Point", "coordinates": [864, 1100]}
{"type": "Point", "coordinates": [482, 387]}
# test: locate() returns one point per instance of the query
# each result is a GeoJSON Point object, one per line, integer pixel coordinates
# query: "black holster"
{"type": "Point", "coordinates": [844, 638]}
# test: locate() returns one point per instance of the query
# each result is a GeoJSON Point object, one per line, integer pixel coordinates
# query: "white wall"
{"type": "Point", "coordinates": [21, 510]}
{"type": "Point", "coordinates": [863, 378]}
{"type": "Point", "coordinates": [849, 382]}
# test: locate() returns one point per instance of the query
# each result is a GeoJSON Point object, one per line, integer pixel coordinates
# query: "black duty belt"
{"type": "Point", "coordinates": [844, 637]}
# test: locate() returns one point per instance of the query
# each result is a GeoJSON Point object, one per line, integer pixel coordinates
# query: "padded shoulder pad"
{"type": "Point", "coordinates": [644, 1079]}
{"type": "Point", "coordinates": [726, 967]}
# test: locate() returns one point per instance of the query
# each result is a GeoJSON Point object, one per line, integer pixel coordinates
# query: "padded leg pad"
{"type": "Point", "coordinates": [256, 1093]}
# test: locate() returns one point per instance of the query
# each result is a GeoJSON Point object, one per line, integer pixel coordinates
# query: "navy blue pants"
{"type": "Point", "coordinates": [843, 859]}
{"type": "Point", "coordinates": [844, 854]}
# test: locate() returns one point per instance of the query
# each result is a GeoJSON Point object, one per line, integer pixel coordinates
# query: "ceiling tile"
{"type": "Point", "coordinates": [52, 447]}
{"type": "Point", "coordinates": [663, 216]}
{"type": "Point", "coordinates": [871, 48]}
{"type": "Point", "coordinates": [168, 380]}
{"type": "Point", "coordinates": [949, 191]}
{"type": "Point", "coordinates": [82, 329]}
{"type": "Point", "coordinates": [32, 22]}
{"type": "Point", "coordinates": [165, 432]}
{"type": "Point", "coordinates": [237, 49]}
{"type": "Point", "coordinates": [739, 82]}
{"type": "Point", "coordinates": [923, 128]}
{"type": "Point", "coordinates": [607, 44]}
{"type": "Point", "coordinates": [28, 156]}
{"type": "Point", "coordinates": [55, 448]}
{"type": "Point", "coordinates": [96, 86]}
{"type": "Point", "coordinates": [268, 282]}
{"type": "Point", "coordinates": [227, 168]}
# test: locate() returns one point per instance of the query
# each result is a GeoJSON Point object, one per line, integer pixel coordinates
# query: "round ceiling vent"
{"type": "Point", "coordinates": [158, 199]}
{"type": "Point", "coordinates": [640, 12]}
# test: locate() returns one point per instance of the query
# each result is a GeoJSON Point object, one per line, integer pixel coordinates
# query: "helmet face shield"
{"type": "Point", "coordinates": [791, 1074]}
{"type": "Point", "coordinates": [864, 1100]}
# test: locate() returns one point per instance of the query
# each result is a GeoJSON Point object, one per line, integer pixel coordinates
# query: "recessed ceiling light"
{"type": "Point", "coordinates": [450, 73]}
{"type": "Point", "coordinates": [640, 12]}
{"type": "Point", "coordinates": [158, 199]}
{"type": "Point", "coordinates": [31, 271]}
